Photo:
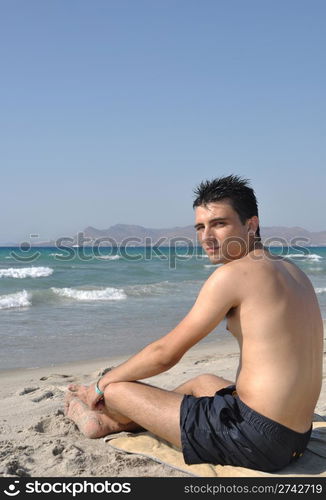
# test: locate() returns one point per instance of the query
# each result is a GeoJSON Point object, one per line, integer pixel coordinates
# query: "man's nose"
{"type": "Point", "coordinates": [207, 234]}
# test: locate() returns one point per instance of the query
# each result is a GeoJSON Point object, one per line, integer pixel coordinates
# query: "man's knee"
{"type": "Point", "coordinates": [115, 391]}
{"type": "Point", "coordinates": [208, 384]}
{"type": "Point", "coordinates": [115, 397]}
{"type": "Point", "coordinates": [204, 378]}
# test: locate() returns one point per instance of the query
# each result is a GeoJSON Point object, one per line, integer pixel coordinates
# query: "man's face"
{"type": "Point", "coordinates": [221, 232]}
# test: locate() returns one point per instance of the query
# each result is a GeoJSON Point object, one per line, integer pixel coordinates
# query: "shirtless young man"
{"type": "Point", "coordinates": [263, 419]}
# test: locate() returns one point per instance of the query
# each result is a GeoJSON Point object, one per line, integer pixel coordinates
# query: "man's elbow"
{"type": "Point", "coordinates": [168, 362]}
{"type": "Point", "coordinates": [164, 357]}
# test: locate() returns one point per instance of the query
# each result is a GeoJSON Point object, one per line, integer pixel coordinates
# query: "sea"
{"type": "Point", "coordinates": [64, 305]}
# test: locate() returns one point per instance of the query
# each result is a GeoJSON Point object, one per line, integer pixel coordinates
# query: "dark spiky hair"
{"type": "Point", "coordinates": [233, 188]}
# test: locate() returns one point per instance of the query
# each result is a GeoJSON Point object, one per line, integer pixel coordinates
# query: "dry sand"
{"type": "Point", "coordinates": [37, 440]}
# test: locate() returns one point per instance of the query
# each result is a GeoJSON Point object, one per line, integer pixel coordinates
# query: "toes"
{"type": "Point", "coordinates": [66, 407]}
{"type": "Point", "coordinates": [69, 396]}
{"type": "Point", "coordinates": [73, 387]}
{"type": "Point", "coordinates": [88, 422]}
{"type": "Point", "coordinates": [71, 405]}
{"type": "Point", "coordinates": [77, 388]}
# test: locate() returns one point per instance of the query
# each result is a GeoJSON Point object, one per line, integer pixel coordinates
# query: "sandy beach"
{"type": "Point", "coordinates": [38, 440]}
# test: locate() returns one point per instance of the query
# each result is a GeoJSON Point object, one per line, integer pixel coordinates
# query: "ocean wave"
{"type": "Point", "coordinates": [159, 288]}
{"type": "Point", "coordinates": [56, 254]}
{"type": "Point", "coordinates": [320, 290]}
{"type": "Point", "coordinates": [312, 256]}
{"type": "Point", "coordinates": [109, 257]}
{"type": "Point", "coordinates": [91, 295]}
{"type": "Point", "coordinates": [15, 300]}
{"type": "Point", "coordinates": [25, 272]}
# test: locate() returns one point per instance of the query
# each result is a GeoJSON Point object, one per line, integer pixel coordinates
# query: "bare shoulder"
{"type": "Point", "coordinates": [255, 269]}
{"type": "Point", "coordinates": [232, 269]}
{"type": "Point", "coordinates": [263, 267]}
{"type": "Point", "coordinates": [224, 273]}
{"type": "Point", "coordinates": [224, 281]}
{"type": "Point", "coordinates": [239, 272]}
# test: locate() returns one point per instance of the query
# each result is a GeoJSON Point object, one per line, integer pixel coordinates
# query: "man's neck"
{"type": "Point", "coordinates": [255, 245]}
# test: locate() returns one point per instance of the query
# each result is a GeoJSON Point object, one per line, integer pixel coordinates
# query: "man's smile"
{"type": "Point", "coordinates": [211, 249]}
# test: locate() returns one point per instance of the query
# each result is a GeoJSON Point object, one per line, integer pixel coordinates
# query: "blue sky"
{"type": "Point", "coordinates": [113, 111]}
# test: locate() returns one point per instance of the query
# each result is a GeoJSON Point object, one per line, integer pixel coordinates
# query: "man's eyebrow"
{"type": "Point", "coordinates": [212, 220]}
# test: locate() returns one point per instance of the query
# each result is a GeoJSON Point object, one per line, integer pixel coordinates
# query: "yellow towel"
{"type": "Point", "coordinates": [312, 463]}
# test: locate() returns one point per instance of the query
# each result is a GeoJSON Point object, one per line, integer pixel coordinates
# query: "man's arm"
{"type": "Point", "coordinates": [217, 296]}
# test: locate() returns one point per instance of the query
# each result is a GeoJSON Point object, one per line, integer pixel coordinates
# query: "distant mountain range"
{"type": "Point", "coordinates": [134, 235]}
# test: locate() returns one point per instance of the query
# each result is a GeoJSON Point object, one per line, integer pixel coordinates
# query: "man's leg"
{"type": "Point", "coordinates": [154, 409]}
{"type": "Point", "coordinates": [133, 405]}
{"type": "Point", "coordinates": [203, 385]}
{"type": "Point", "coordinates": [124, 407]}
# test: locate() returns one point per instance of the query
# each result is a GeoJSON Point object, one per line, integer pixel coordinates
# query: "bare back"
{"type": "Point", "coordinates": [280, 332]}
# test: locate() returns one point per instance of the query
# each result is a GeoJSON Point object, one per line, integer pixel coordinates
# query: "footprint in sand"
{"type": "Point", "coordinates": [6, 449]}
{"type": "Point", "coordinates": [11, 461]}
{"type": "Point", "coordinates": [56, 425]}
{"type": "Point", "coordinates": [58, 449]}
{"type": "Point", "coordinates": [14, 468]}
{"type": "Point", "coordinates": [201, 361]}
{"type": "Point", "coordinates": [60, 376]}
{"type": "Point", "coordinates": [52, 391]}
{"type": "Point", "coordinates": [27, 390]}
{"type": "Point", "coordinates": [43, 425]}
{"type": "Point", "coordinates": [45, 395]}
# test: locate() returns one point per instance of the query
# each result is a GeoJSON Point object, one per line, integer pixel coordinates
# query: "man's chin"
{"type": "Point", "coordinates": [215, 258]}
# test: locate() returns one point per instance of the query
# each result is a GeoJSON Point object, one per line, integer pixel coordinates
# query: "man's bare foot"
{"type": "Point", "coordinates": [79, 390]}
{"type": "Point", "coordinates": [69, 395]}
{"type": "Point", "coordinates": [93, 424]}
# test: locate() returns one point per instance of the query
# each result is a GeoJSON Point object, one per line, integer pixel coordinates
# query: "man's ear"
{"type": "Point", "coordinates": [253, 224]}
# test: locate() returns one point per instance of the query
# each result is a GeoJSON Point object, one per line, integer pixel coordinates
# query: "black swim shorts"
{"type": "Point", "coordinates": [223, 430]}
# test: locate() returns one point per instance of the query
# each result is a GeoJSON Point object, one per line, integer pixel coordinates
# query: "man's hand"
{"type": "Point", "coordinates": [94, 401]}
{"type": "Point", "coordinates": [88, 395]}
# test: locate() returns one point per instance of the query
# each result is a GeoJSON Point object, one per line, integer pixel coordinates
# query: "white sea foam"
{"type": "Point", "coordinates": [109, 257]}
{"type": "Point", "coordinates": [91, 295]}
{"type": "Point", "coordinates": [25, 272]}
{"type": "Point", "coordinates": [312, 256]}
{"type": "Point", "coordinates": [15, 300]}
{"type": "Point", "coordinates": [210, 265]}
{"type": "Point", "coordinates": [320, 290]}
{"type": "Point", "coordinates": [160, 288]}
{"type": "Point", "coordinates": [56, 254]}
